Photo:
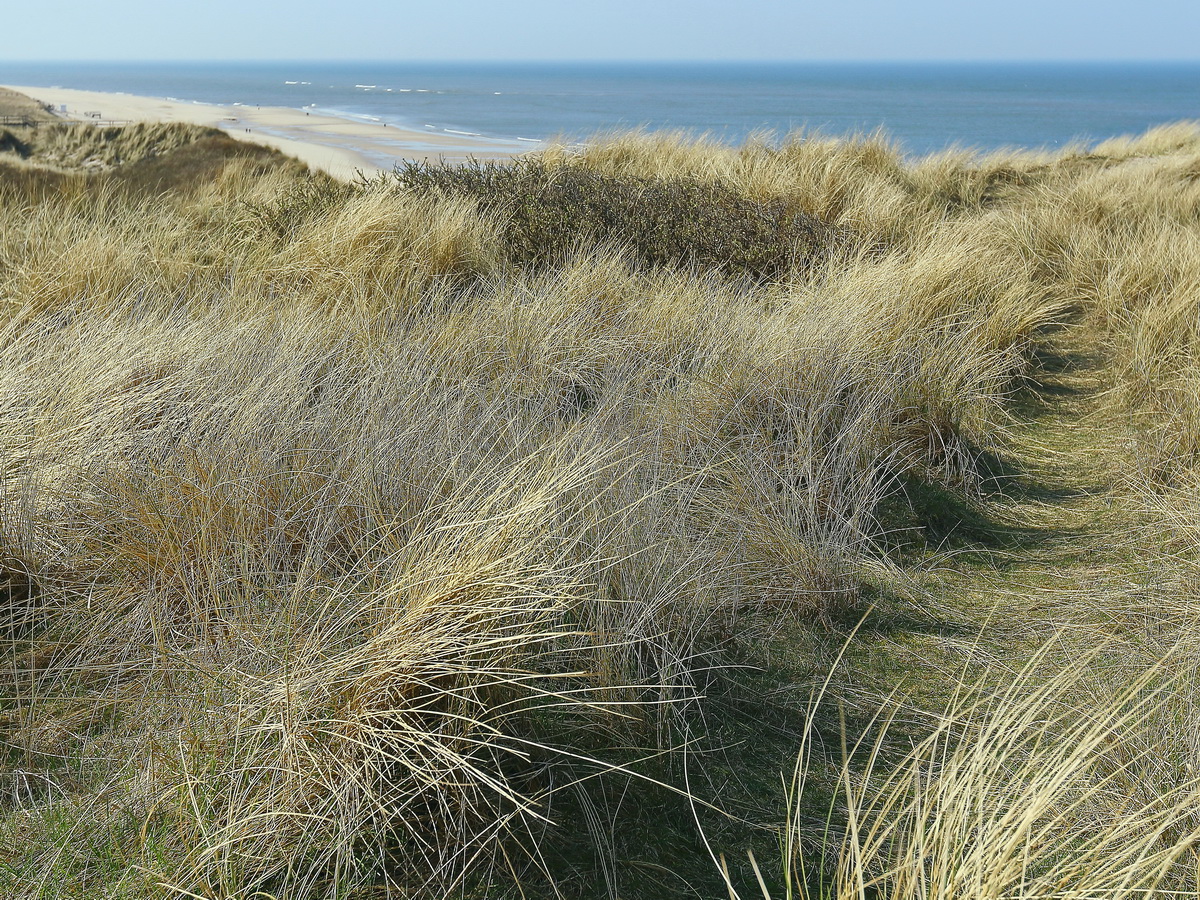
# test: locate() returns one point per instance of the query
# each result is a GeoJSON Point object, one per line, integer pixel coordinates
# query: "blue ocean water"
{"type": "Point", "coordinates": [924, 106]}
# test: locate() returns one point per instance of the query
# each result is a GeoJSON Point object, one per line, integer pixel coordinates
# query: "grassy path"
{"type": "Point", "coordinates": [1052, 546]}
{"type": "Point", "coordinates": [1047, 549]}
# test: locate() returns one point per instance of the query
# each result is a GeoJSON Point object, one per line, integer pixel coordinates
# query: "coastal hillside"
{"type": "Point", "coordinates": [17, 109]}
{"type": "Point", "coordinates": [651, 519]}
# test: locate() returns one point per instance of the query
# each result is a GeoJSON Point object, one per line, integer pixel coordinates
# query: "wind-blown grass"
{"type": "Point", "coordinates": [354, 538]}
{"type": "Point", "coordinates": [1029, 792]}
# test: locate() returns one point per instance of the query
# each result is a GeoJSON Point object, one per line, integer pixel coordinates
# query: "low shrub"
{"type": "Point", "coordinates": [549, 211]}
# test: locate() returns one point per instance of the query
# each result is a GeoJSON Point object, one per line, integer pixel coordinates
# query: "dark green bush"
{"type": "Point", "coordinates": [550, 211]}
{"type": "Point", "coordinates": [305, 199]}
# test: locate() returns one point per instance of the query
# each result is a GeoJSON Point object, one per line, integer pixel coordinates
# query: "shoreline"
{"type": "Point", "coordinates": [339, 145]}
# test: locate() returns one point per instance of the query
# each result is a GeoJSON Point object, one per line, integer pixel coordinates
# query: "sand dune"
{"type": "Point", "coordinates": [341, 146]}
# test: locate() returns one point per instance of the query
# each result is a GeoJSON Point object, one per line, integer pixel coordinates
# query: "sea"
{"type": "Point", "coordinates": [923, 107]}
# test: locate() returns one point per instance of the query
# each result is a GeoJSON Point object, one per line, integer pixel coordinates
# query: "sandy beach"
{"type": "Point", "coordinates": [340, 146]}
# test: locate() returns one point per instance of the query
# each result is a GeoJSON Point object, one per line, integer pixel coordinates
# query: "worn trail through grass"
{"type": "Point", "coordinates": [1034, 600]}
{"type": "Point", "coordinates": [1051, 546]}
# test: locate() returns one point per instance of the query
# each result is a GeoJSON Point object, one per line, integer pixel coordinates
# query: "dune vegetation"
{"type": "Point", "coordinates": [657, 519]}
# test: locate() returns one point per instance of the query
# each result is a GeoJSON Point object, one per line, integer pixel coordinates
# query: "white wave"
{"type": "Point", "coordinates": [466, 133]}
{"type": "Point", "coordinates": [291, 82]}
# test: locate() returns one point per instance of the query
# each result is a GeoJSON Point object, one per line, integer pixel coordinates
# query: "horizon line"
{"type": "Point", "coordinates": [619, 61]}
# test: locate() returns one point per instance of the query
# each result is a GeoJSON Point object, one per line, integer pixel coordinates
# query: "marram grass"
{"type": "Point", "coordinates": [398, 538]}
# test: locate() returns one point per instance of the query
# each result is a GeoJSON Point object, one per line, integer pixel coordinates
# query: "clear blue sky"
{"type": "Point", "coordinates": [600, 29]}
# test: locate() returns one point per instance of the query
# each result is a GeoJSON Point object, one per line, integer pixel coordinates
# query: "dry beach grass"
{"type": "Point", "coordinates": [508, 530]}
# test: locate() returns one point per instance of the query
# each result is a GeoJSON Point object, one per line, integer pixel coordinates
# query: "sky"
{"type": "Point", "coordinates": [455, 30]}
